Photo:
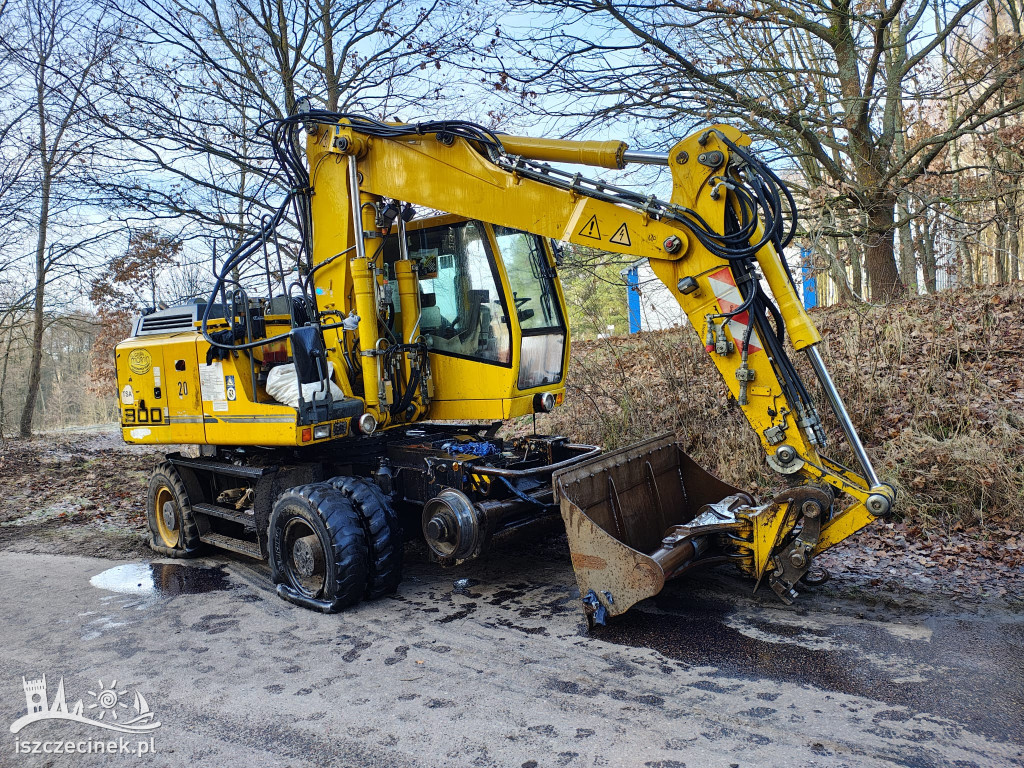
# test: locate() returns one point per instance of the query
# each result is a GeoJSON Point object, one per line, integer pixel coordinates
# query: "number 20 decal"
{"type": "Point", "coordinates": [182, 389]}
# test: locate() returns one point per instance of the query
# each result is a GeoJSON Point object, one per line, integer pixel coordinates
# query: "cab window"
{"type": "Point", "coordinates": [532, 280]}
{"type": "Point", "coordinates": [463, 310]}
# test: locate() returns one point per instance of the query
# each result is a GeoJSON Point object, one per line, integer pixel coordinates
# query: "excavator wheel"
{"type": "Point", "coordinates": [317, 546]}
{"type": "Point", "coordinates": [172, 526]}
{"type": "Point", "coordinates": [383, 533]}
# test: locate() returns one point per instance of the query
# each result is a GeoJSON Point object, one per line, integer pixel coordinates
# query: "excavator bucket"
{"type": "Point", "coordinates": [638, 516]}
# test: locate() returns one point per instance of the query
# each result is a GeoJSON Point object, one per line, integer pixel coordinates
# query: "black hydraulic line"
{"type": "Point", "coordinates": [767, 173]}
{"type": "Point", "coordinates": [793, 385]}
{"type": "Point", "coordinates": [762, 194]}
{"type": "Point", "coordinates": [309, 277]}
{"type": "Point", "coordinates": [402, 403]}
{"type": "Point", "coordinates": [781, 362]}
{"type": "Point", "coordinates": [736, 245]}
{"type": "Point", "coordinates": [245, 250]}
{"type": "Point", "coordinates": [520, 495]}
{"type": "Point", "coordinates": [742, 273]}
{"type": "Point", "coordinates": [264, 220]}
{"type": "Point", "coordinates": [780, 324]}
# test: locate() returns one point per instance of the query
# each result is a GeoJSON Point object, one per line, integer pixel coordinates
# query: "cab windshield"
{"type": "Point", "coordinates": [465, 312]}
{"type": "Point", "coordinates": [530, 278]}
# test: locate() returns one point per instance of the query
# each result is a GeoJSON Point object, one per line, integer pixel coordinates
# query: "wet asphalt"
{"type": "Point", "coordinates": [492, 664]}
{"type": "Point", "coordinates": [968, 668]}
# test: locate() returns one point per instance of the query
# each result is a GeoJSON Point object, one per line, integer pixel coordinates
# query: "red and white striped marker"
{"type": "Point", "coordinates": [723, 285]}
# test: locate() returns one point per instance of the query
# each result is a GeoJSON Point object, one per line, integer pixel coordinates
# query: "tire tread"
{"type": "Point", "coordinates": [189, 544]}
{"type": "Point", "coordinates": [345, 534]}
{"type": "Point", "coordinates": [383, 533]}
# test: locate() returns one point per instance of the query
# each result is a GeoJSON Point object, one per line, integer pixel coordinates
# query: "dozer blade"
{"type": "Point", "coordinates": [638, 516]}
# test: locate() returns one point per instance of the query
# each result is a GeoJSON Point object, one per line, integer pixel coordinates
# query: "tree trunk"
{"type": "Point", "coordinates": [896, 57]}
{"type": "Point", "coordinates": [857, 272]}
{"type": "Point", "coordinates": [36, 361]}
{"type": "Point", "coordinates": [880, 255]}
{"type": "Point", "coordinates": [3, 381]}
{"type": "Point", "coordinates": [330, 66]}
{"type": "Point", "coordinates": [999, 245]}
{"type": "Point", "coordinates": [1013, 243]}
{"type": "Point", "coordinates": [837, 271]}
{"type": "Point", "coordinates": [965, 262]}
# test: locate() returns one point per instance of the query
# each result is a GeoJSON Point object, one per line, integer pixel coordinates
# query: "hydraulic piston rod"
{"type": "Point", "coordinates": [839, 408]}
{"type": "Point", "coordinates": [645, 158]}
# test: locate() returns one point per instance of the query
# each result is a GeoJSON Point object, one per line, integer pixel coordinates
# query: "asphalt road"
{"type": "Point", "coordinates": [498, 670]}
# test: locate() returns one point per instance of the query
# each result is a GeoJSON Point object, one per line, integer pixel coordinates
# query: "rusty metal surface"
{"type": "Point", "coordinates": [792, 563]}
{"type": "Point", "coordinates": [606, 566]}
{"type": "Point", "coordinates": [775, 520]}
{"type": "Point", "coordinates": [618, 509]}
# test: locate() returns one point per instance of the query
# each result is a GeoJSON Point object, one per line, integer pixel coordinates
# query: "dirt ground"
{"type": "Point", "coordinates": [909, 656]}
{"type": "Point", "coordinates": [83, 493]}
{"type": "Point", "coordinates": [79, 493]}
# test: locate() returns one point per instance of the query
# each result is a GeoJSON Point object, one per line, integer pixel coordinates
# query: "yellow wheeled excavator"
{"type": "Point", "coordinates": [358, 402]}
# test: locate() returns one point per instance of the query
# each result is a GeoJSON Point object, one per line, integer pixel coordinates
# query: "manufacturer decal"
{"type": "Point", "coordinates": [140, 361]}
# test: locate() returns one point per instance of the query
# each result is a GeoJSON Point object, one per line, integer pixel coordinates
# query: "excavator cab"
{"type": "Point", "coordinates": [491, 312]}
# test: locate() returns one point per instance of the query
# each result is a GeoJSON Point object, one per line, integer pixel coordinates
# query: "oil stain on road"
{"type": "Point", "coordinates": [164, 579]}
{"type": "Point", "coordinates": [966, 668]}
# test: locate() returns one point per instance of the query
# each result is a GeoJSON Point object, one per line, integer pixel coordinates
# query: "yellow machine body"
{"type": "Point", "coordinates": [477, 288]}
{"type": "Point", "coordinates": [170, 395]}
{"type": "Point", "coordinates": [186, 400]}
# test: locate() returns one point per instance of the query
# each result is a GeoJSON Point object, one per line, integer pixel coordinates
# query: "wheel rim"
{"type": "Point", "coordinates": [168, 517]}
{"type": "Point", "coordinates": [304, 558]}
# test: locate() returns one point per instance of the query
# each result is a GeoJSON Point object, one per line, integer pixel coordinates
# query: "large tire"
{"type": "Point", "coordinates": [383, 533]}
{"type": "Point", "coordinates": [317, 548]}
{"type": "Point", "coordinates": [172, 526]}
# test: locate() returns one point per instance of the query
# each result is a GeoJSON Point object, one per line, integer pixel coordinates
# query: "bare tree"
{"type": "Point", "coordinates": [202, 75]}
{"type": "Point", "coordinates": [820, 80]}
{"type": "Point", "coordinates": [54, 49]}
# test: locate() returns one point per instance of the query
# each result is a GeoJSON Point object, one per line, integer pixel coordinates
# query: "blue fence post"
{"type": "Point", "coordinates": [633, 281]}
{"type": "Point", "coordinates": [810, 278]}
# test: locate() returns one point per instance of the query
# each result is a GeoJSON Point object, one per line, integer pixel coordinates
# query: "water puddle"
{"type": "Point", "coordinates": [461, 587]}
{"type": "Point", "coordinates": [166, 579]}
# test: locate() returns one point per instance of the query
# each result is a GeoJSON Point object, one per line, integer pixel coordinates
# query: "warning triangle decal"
{"type": "Point", "coordinates": [590, 229]}
{"type": "Point", "coordinates": [621, 236]}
